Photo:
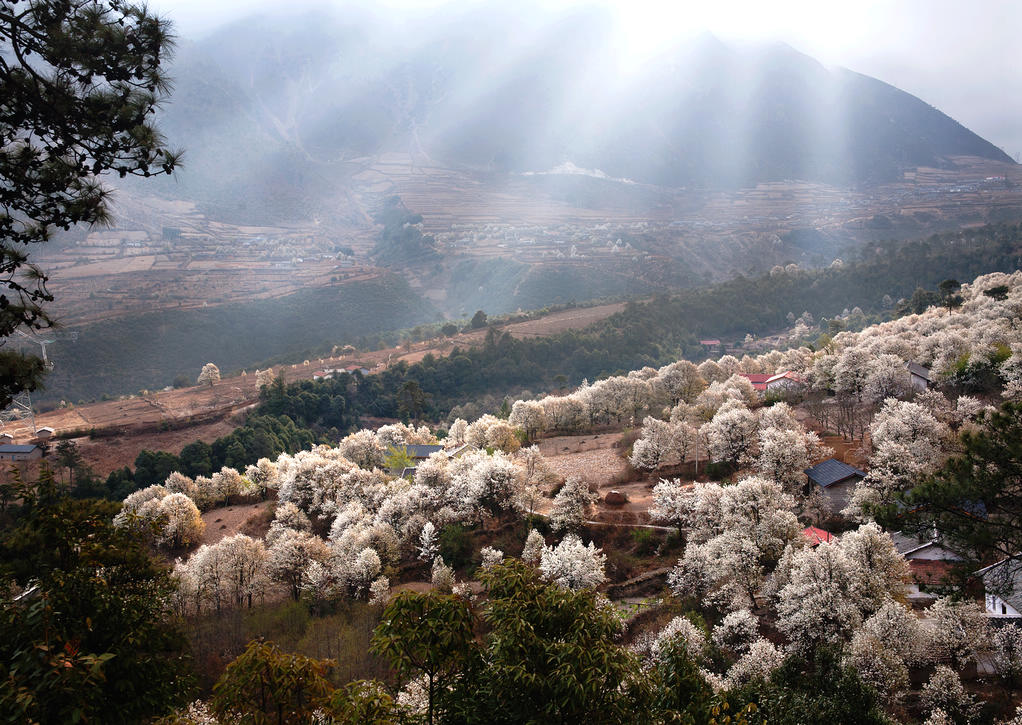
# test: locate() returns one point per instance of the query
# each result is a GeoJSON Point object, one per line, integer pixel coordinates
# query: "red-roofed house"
{"type": "Point", "coordinates": [786, 382]}
{"type": "Point", "coordinates": [817, 536]}
{"type": "Point", "coordinates": [758, 381]}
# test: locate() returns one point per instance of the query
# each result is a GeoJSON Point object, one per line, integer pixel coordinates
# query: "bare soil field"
{"type": "Point", "coordinates": [107, 454]}
{"type": "Point", "coordinates": [598, 460]}
{"type": "Point", "coordinates": [251, 519]}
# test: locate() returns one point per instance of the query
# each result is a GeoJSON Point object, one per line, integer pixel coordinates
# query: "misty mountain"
{"type": "Point", "coordinates": [276, 114]}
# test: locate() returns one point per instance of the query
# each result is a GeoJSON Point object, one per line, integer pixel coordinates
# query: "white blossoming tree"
{"type": "Point", "coordinates": [573, 505]}
{"type": "Point", "coordinates": [209, 375]}
{"type": "Point", "coordinates": [533, 550]}
{"type": "Point", "coordinates": [428, 542]}
{"type": "Point", "coordinates": [289, 557]}
{"type": "Point", "coordinates": [364, 449]}
{"type": "Point", "coordinates": [182, 524]}
{"type": "Point", "coordinates": [573, 565]}
{"type": "Point", "coordinates": [736, 631]}
{"type": "Point", "coordinates": [946, 693]}
{"type": "Point", "coordinates": [731, 434]}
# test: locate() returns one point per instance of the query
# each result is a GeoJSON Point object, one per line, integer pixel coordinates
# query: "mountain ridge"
{"type": "Point", "coordinates": [286, 127]}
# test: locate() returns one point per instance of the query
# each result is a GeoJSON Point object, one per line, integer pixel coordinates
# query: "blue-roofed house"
{"type": "Point", "coordinates": [836, 481]}
{"type": "Point", "coordinates": [14, 452]}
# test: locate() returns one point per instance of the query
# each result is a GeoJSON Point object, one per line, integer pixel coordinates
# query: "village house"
{"type": "Point", "coordinates": [785, 383]}
{"type": "Point", "coordinates": [758, 380]}
{"type": "Point", "coordinates": [1002, 583]}
{"type": "Point", "coordinates": [26, 452]}
{"type": "Point", "coordinates": [918, 376]}
{"type": "Point", "coordinates": [929, 563]}
{"type": "Point", "coordinates": [836, 480]}
{"type": "Point", "coordinates": [816, 536]}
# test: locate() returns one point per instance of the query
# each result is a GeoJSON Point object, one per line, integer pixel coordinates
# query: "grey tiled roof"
{"type": "Point", "coordinates": [12, 448]}
{"type": "Point", "coordinates": [421, 451]}
{"type": "Point", "coordinates": [917, 369]}
{"type": "Point", "coordinates": [831, 471]}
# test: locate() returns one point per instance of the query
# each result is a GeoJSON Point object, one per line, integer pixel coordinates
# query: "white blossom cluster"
{"type": "Point", "coordinates": [371, 516]}
{"type": "Point", "coordinates": [170, 518]}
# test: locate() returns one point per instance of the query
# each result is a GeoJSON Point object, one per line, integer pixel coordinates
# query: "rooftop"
{"type": "Point", "coordinates": [817, 536]}
{"type": "Point", "coordinates": [831, 471]}
{"type": "Point", "coordinates": [916, 369]}
{"type": "Point", "coordinates": [13, 448]}
{"type": "Point", "coordinates": [421, 451]}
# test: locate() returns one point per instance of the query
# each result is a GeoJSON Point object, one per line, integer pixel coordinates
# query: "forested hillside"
{"type": "Point", "coordinates": [148, 351]}
{"type": "Point", "coordinates": [671, 326]}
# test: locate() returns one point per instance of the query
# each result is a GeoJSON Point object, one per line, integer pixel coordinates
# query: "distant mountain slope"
{"type": "Point", "coordinates": [276, 114]}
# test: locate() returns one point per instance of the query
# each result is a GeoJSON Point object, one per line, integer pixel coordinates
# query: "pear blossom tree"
{"type": "Point", "coordinates": [263, 476]}
{"type": "Point", "coordinates": [363, 449]}
{"type": "Point", "coordinates": [209, 375]}
{"type": "Point", "coordinates": [945, 693]}
{"type": "Point", "coordinates": [959, 632]}
{"type": "Point", "coordinates": [737, 631]}
{"type": "Point", "coordinates": [429, 546]}
{"type": "Point", "coordinates": [529, 416]}
{"type": "Point", "coordinates": [671, 504]}
{"type": "Point", "coordinates": [289, 557]}
{"type": "Point", "coordinates": [181, 522]}
{"type": "Point", "coordinates": [737, 534]}
{"type": "Point", "coordinates": [762, 658]}
{"type": "Point", "coordinates": [731, 433]}
{"type": "Point", "coordinates": [573, 565]}
{"type": "Point", "coordinates": [573, 505]}
{"type": "Point", "coordinates": [533, 549]}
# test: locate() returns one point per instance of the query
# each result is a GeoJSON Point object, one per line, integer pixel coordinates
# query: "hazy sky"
{"type": "Point", "coordinates": [962, 56]}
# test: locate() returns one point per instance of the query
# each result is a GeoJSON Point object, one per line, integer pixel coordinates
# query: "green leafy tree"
{"type": "Point", "coordinates": [478, 320]}
{"type": "Point", "coordinates": [80, 82]}
{"type": "Point", "coordinates": [551, 655]}
{"type": "Point", "coordinates": [429, 635]}
{"type": "Point", "coordinates": [93, 637]}
{"type": "Point", "coordinates": [813, 689]}
{"type": "Point", "coordinates": [398, 458]}
{"type": "Point", "coordinates": [999, 293]}
{"type": "Point", "coordinates": [411, 401]}
{"type": "Point", "coordinates": [69, 458]}
{"type": "Point", "coordinates": [265, 685]}
{"type": "Point", "coordinates": [677, 690]}
{"type": "Point", "coordinates": [949, 294]}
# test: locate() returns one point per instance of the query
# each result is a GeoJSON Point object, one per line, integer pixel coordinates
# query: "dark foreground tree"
{"type": "Point", "coordinates": [428, 635]}
{"type": "Point", "coordinates": [80, 80]}
{"type": "Point", "coordinates": [540, 654]}
{"type": "Point", "coordinates": [266, 686]}
{"type": "Point", "coordinates": [90, 635]}
{"type": "Point", "coordinates": [813, 689]}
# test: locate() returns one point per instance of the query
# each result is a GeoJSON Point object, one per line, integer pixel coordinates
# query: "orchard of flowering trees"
{"type": "Point", "coordinates": [372, 518]}
{"type": "Point", "coordinates": [765, 613]}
